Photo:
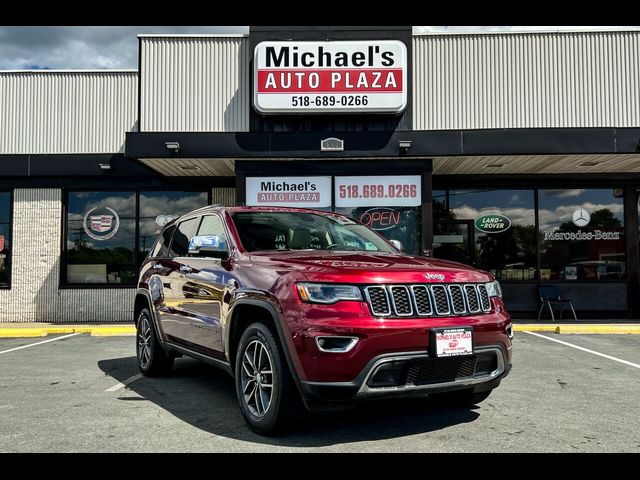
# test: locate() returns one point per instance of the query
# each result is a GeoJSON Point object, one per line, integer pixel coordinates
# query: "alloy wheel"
{"type": "Point", "coordinates": [257, 378]}
{"type": "Point", "coordinates": [144, 342]}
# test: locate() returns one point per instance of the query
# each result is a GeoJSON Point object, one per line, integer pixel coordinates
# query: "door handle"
{"type": "Point", "coordinates": [185, 268]}
{"type": "Point", "coordinates": [157, 266]}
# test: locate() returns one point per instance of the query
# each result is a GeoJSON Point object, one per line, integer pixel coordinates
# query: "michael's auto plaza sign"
{"type": "Point", "coordinates": [299, 192]}
{"type": "Point", "coordinates": [330, 77]}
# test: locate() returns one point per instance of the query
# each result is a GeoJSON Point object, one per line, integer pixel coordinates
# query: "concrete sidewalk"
{"type": "Point", "coordinates": [36, 329]}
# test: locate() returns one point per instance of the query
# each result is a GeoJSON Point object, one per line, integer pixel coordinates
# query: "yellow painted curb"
{"type": "Point", "coordinates": [610, 329]}
{"type": "Point", "coordinates": [535, 328]}
{"type": "Point", "coordinates": [97, 331]}
{"type": "Point", "coordinates": [22, 332]}
{"type": "Point", "coordinates": [66, 330]}
{"type": "Point", "coordinates": [601, 329]}
{"type": "Point", "coordinates": [113, 331]}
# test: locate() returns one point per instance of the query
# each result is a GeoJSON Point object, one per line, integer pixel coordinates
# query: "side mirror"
{"type": "Point", "coordinates": [397, 244]}
{"type": "Point", "coordinates": [208, 246]}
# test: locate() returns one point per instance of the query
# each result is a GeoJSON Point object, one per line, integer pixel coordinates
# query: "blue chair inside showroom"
{"type": "Point", "coordinates": [550, 296]}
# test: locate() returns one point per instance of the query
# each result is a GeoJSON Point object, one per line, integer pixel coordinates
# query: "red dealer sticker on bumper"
{"type": "Point", "coordinates": [450, 342]}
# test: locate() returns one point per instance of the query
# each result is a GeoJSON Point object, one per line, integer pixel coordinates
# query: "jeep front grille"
{"type": "Point", "coordinates": [401, 301]}
{"type": "Point", "coordinates": [472, 298]}
{"type": "Point", "coordinates": [422, 299]}
{"type": "Point", "coordinates": [427, 300]}
{"type": "Point", "coordinates": [440, 299]}
{"type": "Point", "coordinates": [484, 297]}
{"type": "Point", "coordinates": [378, 301]}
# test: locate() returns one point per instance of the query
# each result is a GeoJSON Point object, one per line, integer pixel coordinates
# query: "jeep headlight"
{"type": "Point", "coordinates": [494, 289]}
{"type": "Point", "coordinates": [327, 293]}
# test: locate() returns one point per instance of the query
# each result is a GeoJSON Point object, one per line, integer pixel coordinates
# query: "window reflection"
{"type": "Point", "coordinates": [101, 232]}
{"type": "Point", "coordinates": [394, 223]}
{"type": "Point", "coordinates": [101, 237]}
{"type": "Point", "coordinates": [582, 234]}
{"type": "Point", "coordinates": [154, 204]}
{"type": "Point", "coordinates": [491, 229]}
{"type": "Point", "coordinates": [82, 202]}
{"type": "Point", "coordinates": [5, 238]}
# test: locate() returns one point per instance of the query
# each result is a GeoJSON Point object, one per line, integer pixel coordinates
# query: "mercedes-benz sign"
{"type": "Point", "coordinates": [580, 217]}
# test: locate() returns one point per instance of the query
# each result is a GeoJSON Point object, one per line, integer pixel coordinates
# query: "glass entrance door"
{"type": "Point", "coordinates": [453, 240]}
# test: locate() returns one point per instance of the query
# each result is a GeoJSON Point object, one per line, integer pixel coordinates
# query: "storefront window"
{"type": "Point", "coordinates": [101, 237]}
{"type": "Point", "coordinates": [491, 229]}
{"type": "Point", "coordinates": [5, 238]}
{"type": "Point", "coordinates": [582, 234]}
{"type": "Point", "coordinates": [451, 240]}
{"type": "Point", "coordinates": [390, 205]}
{"type": "Point", "coordinates": [101, 232]}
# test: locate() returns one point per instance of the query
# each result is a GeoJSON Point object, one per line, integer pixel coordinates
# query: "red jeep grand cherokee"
{"type": "Point", "coordinates": [313, 309]}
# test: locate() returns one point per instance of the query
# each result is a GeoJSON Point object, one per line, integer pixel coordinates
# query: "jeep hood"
{"type": "Point", "coordinates": [368, 267]}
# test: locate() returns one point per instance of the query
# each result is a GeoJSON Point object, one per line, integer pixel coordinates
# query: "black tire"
{"type": "Point", "coordinates": [284, 406]}
{"type": "Point", "coordinates": [461, 398]}
{"type": "Point", "coordinates": [153, 361]}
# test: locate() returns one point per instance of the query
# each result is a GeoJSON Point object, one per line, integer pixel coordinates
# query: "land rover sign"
{"type": "Point", "coordinates": [330, 77]}
{"type": "Point", "coordinates": [492, 223]}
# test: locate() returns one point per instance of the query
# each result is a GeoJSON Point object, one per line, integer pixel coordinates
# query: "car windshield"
{"type": "Point", "coordinates": [304, 231]}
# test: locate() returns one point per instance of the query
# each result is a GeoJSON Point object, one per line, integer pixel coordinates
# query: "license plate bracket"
{"type": "Point", "coordinates": [451, 342]}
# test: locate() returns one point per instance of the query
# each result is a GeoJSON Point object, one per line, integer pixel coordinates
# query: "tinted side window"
{"type": "Point", "coordinates": [212, 225]}
{"type": "Point", "coordinates": [180, 244]}
{"type": "Point", "coordinates": [161, 248]}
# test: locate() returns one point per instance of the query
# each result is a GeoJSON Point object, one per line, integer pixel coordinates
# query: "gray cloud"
{"type": "Point", "coordinates": [83, 47]}
{"type": "Point", "coordinates": [101, 47]}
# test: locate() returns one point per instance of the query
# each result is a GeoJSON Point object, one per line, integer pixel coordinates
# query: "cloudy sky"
{"type": "Point", "coordinates": [116, 47]}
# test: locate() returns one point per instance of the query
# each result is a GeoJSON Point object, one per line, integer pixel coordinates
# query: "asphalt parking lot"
{"type": "Point", "coordinates": [66, 395]}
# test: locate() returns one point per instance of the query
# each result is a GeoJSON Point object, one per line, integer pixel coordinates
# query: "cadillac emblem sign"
{"type": "Point", "coordinates": [101, 223]}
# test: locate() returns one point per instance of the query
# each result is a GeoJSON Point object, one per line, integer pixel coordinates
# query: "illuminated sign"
{"type": "Point", "coordinates": [380, 218]}
{"type": "Point", "coordinates": [330, 77]}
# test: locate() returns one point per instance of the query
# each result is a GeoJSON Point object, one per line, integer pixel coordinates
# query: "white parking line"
{"type": "Point", "coordinates": [584, 349]}
{"type": "Point", "coordinates": [39, 343]}
{"type": "Point", "coordinates": [128, 381]}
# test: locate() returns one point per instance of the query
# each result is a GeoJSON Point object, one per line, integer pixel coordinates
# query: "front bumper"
{"type": "Point", "coordinates": [412, 374]}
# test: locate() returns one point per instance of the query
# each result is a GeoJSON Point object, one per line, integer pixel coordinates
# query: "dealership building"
{"type": "Point", "coordinates": [518, 153]}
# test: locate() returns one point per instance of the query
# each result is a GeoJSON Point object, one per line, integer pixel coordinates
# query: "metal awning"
{"type": "Point", "coordinates": [454, 152]}
{"type": "Point", "coordinates": [536, 164]}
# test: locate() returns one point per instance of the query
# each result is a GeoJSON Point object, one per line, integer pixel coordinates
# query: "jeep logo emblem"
{"type": "Point", "coordinates": [434, 276]}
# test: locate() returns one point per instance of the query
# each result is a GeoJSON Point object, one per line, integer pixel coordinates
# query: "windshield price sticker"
{"type": "Point", "coordinates": [387, 191]}
{"type": "Point", "coordinates": [451, 342]}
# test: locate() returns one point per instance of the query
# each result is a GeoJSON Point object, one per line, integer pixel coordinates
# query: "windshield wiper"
{"type": "Point", "coordinates": [335, 246]}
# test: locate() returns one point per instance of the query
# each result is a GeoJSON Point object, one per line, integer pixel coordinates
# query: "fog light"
{"type": "Point", "coordinates": [336, 344]}
{"type": "Point", "coordinates": [390, 374]}
{"type": "Point", "coordinates": [509, 330]}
